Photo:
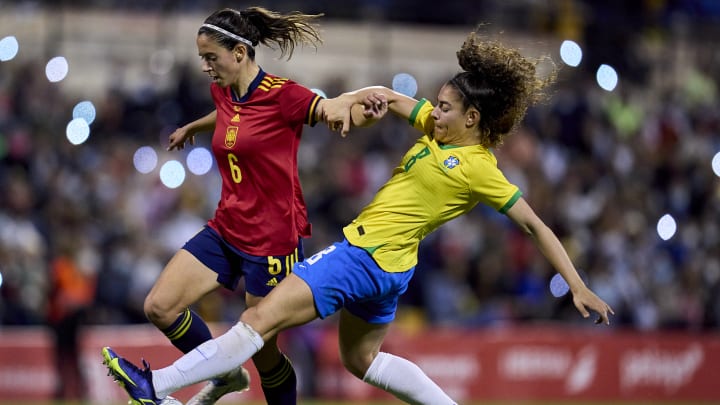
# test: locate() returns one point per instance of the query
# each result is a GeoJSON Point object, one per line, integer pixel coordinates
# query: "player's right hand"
{"type": "Point", "coordinates": [376, 106]}
{"type": "Point", "coordinates": [177, 139]}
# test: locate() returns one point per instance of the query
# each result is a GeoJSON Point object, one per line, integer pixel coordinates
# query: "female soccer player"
{"type": "Point", "coordinates": [448, 171]}
{"type": "Point", "coordinates": [261, 218]}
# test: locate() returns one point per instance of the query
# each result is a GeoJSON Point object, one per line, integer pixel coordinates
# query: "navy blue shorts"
{"type": "Point", "coordinates": [261, 273]}
{"type": "Point", "coordinates": [346, 276]}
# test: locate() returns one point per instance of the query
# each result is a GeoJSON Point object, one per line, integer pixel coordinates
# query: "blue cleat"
{"type": "Point", "coordinates": [137, 383]}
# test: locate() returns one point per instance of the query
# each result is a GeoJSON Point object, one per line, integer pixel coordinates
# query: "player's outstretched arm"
{"type": "Point", "coordinates": [363, 107]}
{"type": "Point", "coordinates": [545, 239]}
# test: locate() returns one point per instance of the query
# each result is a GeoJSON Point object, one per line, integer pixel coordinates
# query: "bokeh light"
{"type": "Point", "coordinates": [8, 48]}
{"type": "Point", "coordinates": [84, 110]}
{"type": "Point", "coordinates": [666, 227]}
{"type": "Point", "coordinates": [172, 174]}
{"type": "Point", "coordinates": [145, 159]}
{"type": "Point", "coordinates": [558, 286]}
{"type": "Point", "coordinates": [161, 62]}
{"type": "Point", "coordinates": [716, 164]}
{"type": "Point", "coordinates": [607, 77]}
{"type": "Point", "coordinates": [199, 161]}
{"type": "Point", "coordinates": [571, 53]}
{"type": "Point", "coordinates": [77, 131]}
{"type": "Point", "coordinates": [319, 93]}
{"type": "Point", "coordinates": [56, 69]}
{"type": "Point", "coordinates": [405, 83]}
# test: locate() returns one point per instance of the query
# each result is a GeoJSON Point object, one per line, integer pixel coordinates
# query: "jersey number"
{"type": "Point", "coordinates": [424, 152]}
{"type": "Point", "coordinates": [234, 168]}
{"type": "Point", "coordinates": [275, 263]}
{"type": "Point", "coordinates": [317, 256]}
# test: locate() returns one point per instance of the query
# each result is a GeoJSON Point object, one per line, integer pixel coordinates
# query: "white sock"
{"type": "Point", "coordinates": [405, 380]}
{"type": "Point", "coordinates": [210, 359]}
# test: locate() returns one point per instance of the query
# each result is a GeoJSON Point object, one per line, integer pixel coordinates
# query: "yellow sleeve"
{"type": "Point", "coordinates": [420, 117]}
{"type": "Point", "coordinates": [491, 187]}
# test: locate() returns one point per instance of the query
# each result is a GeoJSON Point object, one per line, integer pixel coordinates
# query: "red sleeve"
{"type": "Point", "coordinates": [298, 103]}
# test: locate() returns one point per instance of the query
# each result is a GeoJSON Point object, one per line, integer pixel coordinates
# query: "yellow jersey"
{"type": "Point", "coordinates": [433, 184]}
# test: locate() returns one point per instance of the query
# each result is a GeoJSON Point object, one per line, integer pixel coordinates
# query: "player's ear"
{"type": "Point", "coordinates": [472, 117]}
{"type": "Point", "coordinates": [239, 52]}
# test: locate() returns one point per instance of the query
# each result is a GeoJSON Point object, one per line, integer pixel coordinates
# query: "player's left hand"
{"type": "Point", "coordinates": [347, 109]}
{"type": "Point", "coordinates": [584, 299]}
{"type": "Point", "coordinates": [361, 113]}
{"type": "Point", "coordinates": [336, 113]}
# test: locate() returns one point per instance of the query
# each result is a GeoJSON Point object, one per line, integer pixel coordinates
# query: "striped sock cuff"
{"type": "Point", "coordinates": [180, 326]}
{"type": "Point", "coordinates": [278, 374]}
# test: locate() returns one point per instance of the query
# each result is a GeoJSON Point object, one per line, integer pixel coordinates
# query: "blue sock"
{"type": "Point", "coordinates": [280, 383]}
{"type": "Point", "coordinates": [188, 331]}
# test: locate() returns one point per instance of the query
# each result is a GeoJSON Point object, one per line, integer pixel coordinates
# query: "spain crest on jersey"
{"type": "Point", "coordinates": [231, 136]}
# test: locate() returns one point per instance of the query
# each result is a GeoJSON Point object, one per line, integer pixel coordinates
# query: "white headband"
{"type": "Point", "coordinates": [228, 33]}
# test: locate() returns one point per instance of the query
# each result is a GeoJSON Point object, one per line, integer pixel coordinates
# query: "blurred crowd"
{"type": "Point", "coordinates": [83, 234]}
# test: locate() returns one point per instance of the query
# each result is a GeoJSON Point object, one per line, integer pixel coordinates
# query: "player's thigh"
{"type": "Point", "coordinates": [183, 282]}
{"type": "Point", "coordinates": [360, 342]}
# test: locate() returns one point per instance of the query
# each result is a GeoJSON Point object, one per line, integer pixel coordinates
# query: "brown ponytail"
{"type": "Point", "coordinates": [261, 26]}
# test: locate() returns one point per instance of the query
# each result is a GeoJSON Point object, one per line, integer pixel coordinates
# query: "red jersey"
{"type": "Point", "coordinates": [261, 210]}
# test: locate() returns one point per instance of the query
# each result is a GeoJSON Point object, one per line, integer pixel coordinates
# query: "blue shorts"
{"type": "Point", "coordinates": [262, 273]}
{"type": "Point", "coordinates": [346, 276]}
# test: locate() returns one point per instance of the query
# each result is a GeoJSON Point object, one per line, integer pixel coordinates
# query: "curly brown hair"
{"type": "Point", "coordinates": [259, 25]}
{"type": "Point", "coordinates": [500, 83]}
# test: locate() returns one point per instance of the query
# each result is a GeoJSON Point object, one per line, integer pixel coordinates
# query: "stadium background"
{"type": "Point", "coordinates": [83, 232]}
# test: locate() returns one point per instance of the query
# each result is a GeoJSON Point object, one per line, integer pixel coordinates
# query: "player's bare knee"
{"type": "Point", "coordinates": [355, 363]}
{"type": "Point", "coordinates": [155, 312]}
